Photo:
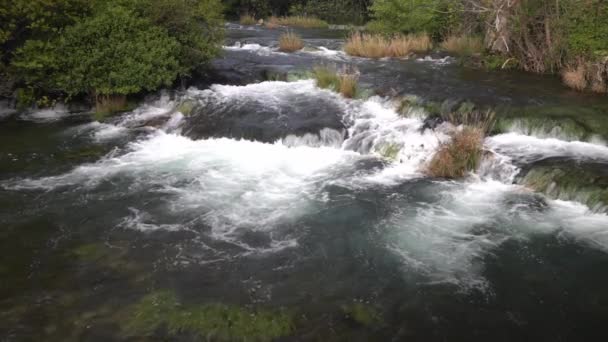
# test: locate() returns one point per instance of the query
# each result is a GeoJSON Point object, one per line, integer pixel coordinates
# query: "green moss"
{"type": "Point", "coordinates": [186, 107]}
{"type": "Point", "coordinates": [389, 151]}
{"type": "Point", "coordinates": [90, 252]}
{"type": "Point", "coordinates": [363, 314]}
{"type": "Point", "coordinates": [216, 321]}
{"type": "Point", "coordinates": [571, 183]}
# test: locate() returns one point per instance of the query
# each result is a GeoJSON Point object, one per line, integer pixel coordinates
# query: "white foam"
{"type": "Point", "coordinates": [527, 148]}
{"type": "Point", "coordinates": [232, 186]}
{"type": "Point", "coordinates": [447, 240]}
{"type": "Point", "coordinates": [436, 61]}
{"type": "Point", "coordinates": [46, 115]}
{"type": "Point", "coordinates": [254, 48]}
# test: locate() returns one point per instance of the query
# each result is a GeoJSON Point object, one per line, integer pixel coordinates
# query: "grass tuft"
{"type": "Point", "coordinates": [379, 46]}
{"type": "Point", "coordinates": [574, 77]}
{"type": "Point", "coordinates": [301, 21]}
{"type": "Point", "coordinates": [290, 42]}
{"type": "Point", "coordinates": [463, 45]}
{"type": "Point", "coordinates": [459, 156]}
{"type": "Point", "coordinates": [272, 23]}
{"type": "Point", "coordinates": [344, 82]}
{"type": "Point", "coordinates": [247, 20]}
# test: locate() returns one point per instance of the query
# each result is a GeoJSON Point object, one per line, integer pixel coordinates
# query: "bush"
{"type": "Point", "coordinates": [290, 42]}
{"type": "Point", "coordinates": [247, 20]}
{"type": "Point", "coordinates": [459, 156]}
{"type": "Point", "coordinates": [378, 46]}
{"type": "Point", "coordinates": [463, 45]}
{"type": "Point", "coordinates": [344, 82]}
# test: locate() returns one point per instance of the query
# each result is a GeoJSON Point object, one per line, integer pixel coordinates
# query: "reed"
{"type": "Point", "coordinates": [379, 46]}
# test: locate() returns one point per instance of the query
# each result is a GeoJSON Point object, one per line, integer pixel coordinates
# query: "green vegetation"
{"type": "Point", "coordinates": [344, 82]}
{"type": "Point", "coordinates": [570, 183]}
{"type": "Point", "coordinates": [363, 314]}
{"type": "Point", "coordinates": [106, 50]}
{"type": "Point", "coordinates": [211, 321]}
{"type": "Point", "coordinates": [389, 151]}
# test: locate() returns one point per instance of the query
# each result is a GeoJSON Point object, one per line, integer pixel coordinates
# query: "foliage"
{"type": "Point", "coordinates": [115, 47]}
{"type": "Point", "coordinates": [302, 21]}
{"type": "Point", "coordinates": [115, 52]}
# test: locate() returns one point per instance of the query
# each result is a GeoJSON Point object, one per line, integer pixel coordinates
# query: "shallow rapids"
{"type": "Point", "coordinates": [284, 196]}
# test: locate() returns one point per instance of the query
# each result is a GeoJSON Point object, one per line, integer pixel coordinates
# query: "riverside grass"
{"type": "Point", "coordinates": [463, 45]}
{"type": "Point", "coordinates": [299, 21]}
{"type": "Point", "coordinates": [380, 46]}
{"type": "Point", "coordinates": [247, 20]}
{"type": "Point", "coordinates": [290, 42]}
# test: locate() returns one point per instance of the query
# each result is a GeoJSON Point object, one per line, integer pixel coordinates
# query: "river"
{"type": "Point", "coordinates": [257, 206]}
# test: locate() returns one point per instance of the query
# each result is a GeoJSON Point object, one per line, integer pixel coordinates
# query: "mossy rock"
{"type": "Point", "coordinates": [570, 181]}
{"type": "Point", "coordinates": [389, 151]}
{"type": "Point", "coordinates": [362, 314]}
{"type": "Point", "coordinates": [220, 322]}
{"type": "Point", "coordinates": [186, 107]}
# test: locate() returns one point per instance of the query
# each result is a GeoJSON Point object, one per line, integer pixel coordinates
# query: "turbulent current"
{"type": "Point", "coordinates": [280, 195]}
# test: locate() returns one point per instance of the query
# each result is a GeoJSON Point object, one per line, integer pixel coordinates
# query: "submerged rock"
{"type": "Point", "coordinates": [570, 180]}
{"type": "Point", "coordinates": [264, 112]}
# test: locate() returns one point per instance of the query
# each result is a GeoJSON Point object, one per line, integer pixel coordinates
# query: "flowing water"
{"type": "Point", "coordinates": [267, 195]}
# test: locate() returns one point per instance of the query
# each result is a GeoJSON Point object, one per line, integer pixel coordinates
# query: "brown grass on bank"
{"type": "Point", "coordinates": [247, 20]}
{"type": "Point", "coordinates": [344, 82]}
{"type": "Point", "coordinates": [379, 46]}
{"type": "Point", "coordinates": [290, 42]}
{"type": "Point", "coordinates": [272, 23]}
{"type": "Point", "coordinates": [463, 45]}
{"type": "Point", "coordinates": [574, 77]}
{"type": "Point", "coordinates": [459, 156]}
{"type": "Point", "coordinates": [301, 21]}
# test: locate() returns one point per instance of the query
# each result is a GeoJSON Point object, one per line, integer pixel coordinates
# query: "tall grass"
{"type": "Point", "coordinates": [379, 46]}
{"type": "Point", "coordinates": [290, 42]}
{"type": "Point", "coordinates": [463, 45]}
{"type": "Point", "coordinates": [459, 156]}
{"type": "Point", "coordinates": [272, 23]}
{"type": "Point", "coordinates": [301, 21]}
{"type": "Point", "coordinates": [247, 20]}
{"type": "Point", "coordinates": [575, 77]}
{"type": "Point", "coordinates": [344, 82]}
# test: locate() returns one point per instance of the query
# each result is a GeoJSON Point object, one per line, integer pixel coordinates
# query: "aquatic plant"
{"type": "Point", "coordinates": [379, 46]}
{"type": "Point", "coordinates": [469, 115]}
{"type": "Point", "coordinates": [363, 314]}
{"type": "Point", "coordinates": [389, 151]}
{"type": "Point", "coordinates": [186, 107]}
{"type": "Point", "coordinates": [459, 156]}
{"type": "Point", "coordinates": [463, 45]}
{"type": "Point", "coordinates": [213, 321]}
{"type": "Point", "coordinates": [247, 20]}
{"type": "Point", "coordinates": [344, 82]}
{"type": "Point", "coordinates": [574, 77]}
{"type": "Point", "coordinates": [569, 183]}
{"type": "Point", "coordinates": [290, 42]}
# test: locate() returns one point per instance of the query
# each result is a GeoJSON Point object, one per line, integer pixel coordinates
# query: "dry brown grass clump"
{"type": "Point", "coordinates": [272, 23]}
{"type": "Point", "coordinates": [247, 20]}
{"type": "Point", "coordinates": [463, 45]}
{"type": "Point", "coordinates": [574, 77]}
{"type": "Point", "coordinates": [290, 42]}
{"type": "Point", "coordinates": [379, 46]}
{"type": "Point", "coordinates": [302, 21]}
{"type": "Point", "coordinates": [459, 156]}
